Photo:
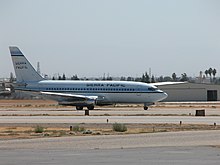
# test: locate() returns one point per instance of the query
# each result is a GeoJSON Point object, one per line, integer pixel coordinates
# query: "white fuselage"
{"type": "Point", "coordinates": [108, 92]}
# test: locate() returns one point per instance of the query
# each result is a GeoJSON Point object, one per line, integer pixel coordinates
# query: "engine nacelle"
{"type": "Point", "coordinates": [78, 103]}
{"type": "Point", "coordinates": [90, 102]}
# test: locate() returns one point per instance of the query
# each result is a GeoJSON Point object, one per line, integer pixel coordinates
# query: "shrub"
{"type": "Point", "coordinates": [81, 129]}
{"type": "Point", "coordinates": [87, 132]}
{"type": "Point", "coordinates": [118, 127]}
{"type": "Point", "coordinates": [38, 129]}
{"type": "Point", "coordinates": [77, 128]}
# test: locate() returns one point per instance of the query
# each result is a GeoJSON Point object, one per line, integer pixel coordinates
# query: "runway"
{"type": "Point", "coordinates": [116, 111]}
{"type": "Point", "coordinates": [111, 119]}
{"type": "Point", "coordinates": [193, 147]}
{"type": "Point", "coordinates": [161, 148]}
{"type": "Point", "coordinates": [140, 156]}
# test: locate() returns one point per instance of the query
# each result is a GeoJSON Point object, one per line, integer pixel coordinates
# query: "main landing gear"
{"type": "Point", "coordinates": [89, 107]}
{"type": "Point", "coordinates": [145, 108]}
{"type": "Point", "coordinates": [79, 107]}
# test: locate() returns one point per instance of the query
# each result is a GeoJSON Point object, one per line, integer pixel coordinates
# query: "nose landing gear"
{"type": "Point", "coordinates": [146, 105]}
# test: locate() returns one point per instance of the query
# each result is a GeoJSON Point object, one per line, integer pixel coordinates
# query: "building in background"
{"type": "Point", "coordinates": [191, 92]}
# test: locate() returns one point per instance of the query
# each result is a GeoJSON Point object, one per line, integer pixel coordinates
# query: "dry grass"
{"type": "Point", "coordinates": [25, 132]}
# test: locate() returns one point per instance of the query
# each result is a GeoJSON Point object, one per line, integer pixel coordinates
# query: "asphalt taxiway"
{"type": "Point", "coordinates": [111, 119]}
{"type": "Point", "coordinates": [193, 147]}
{"type": "Point", "coordinates": [117, 111]}
{"type": "Point", "coordinates": [140, 156]}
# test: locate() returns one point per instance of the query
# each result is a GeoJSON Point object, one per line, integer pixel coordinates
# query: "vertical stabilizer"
{"type": "Point", "coordinates": [24, 71]}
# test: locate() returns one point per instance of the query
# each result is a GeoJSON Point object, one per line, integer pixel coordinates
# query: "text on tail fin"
{"type": "Point", "coordinates": [24, 71]}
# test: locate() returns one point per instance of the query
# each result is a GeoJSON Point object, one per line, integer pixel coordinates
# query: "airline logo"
{"type": "Point", "coordinates": [105, 85]}
{"type": "Point", "coordinates": [21, 65]}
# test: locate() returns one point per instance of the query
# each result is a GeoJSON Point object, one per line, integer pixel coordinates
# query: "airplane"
{"type": "Point", "coordinates": [82, 93]}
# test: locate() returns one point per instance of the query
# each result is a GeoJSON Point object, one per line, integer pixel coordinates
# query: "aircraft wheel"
{"type": "Point", "coordinates": [91, 107]}
{"type": "Point", "coordinates": [145, 108]}
{"type": "Point", "coordinates": [79, 107]}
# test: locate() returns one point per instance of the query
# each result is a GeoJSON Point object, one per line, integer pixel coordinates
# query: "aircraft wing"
{"type": "Point", "coordinates": [70, 96]}
{"type": "Point", "coordinates": [166, 83]}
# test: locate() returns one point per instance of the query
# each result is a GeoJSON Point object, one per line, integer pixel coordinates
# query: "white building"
{"type": "Point", "coordinates": [191, 92]}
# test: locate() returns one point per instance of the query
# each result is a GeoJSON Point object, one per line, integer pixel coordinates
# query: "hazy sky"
{"type": "Point", "coordinates": [119, 37]}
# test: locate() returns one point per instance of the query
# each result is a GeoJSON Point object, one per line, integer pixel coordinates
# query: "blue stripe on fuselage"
{"type": "Point", "coordinates": [15, 51]}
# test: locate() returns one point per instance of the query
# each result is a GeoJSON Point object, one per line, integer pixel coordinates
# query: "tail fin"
{"type": "Point", "coordinates": [24, 71]}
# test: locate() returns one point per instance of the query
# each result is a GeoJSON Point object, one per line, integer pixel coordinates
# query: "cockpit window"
{"type": "Point", "coordinates": [152, 89]}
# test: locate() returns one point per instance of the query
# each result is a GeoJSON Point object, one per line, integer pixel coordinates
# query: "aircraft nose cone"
{"type": "Point", "coordinates": [163, 96]}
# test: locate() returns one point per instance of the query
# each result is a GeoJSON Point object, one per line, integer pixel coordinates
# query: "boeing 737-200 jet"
{"type": "Point", "coordinates": [82, 93]}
